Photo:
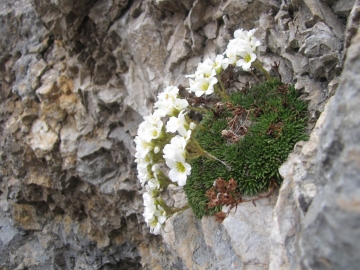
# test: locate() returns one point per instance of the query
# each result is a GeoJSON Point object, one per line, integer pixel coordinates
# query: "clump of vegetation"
{"type": "Point", "coordinates": [253, 133]}
{"type": "Point", "coordinates": [237, 148]}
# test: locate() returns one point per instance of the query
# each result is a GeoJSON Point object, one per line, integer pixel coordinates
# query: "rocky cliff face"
{"type": "Point", "coordinates": [76, 79]}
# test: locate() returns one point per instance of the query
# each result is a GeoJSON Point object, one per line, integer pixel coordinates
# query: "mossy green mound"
{"type": "Point", "coordinates": [266, 121]}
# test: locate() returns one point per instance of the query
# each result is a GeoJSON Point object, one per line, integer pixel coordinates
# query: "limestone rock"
{"type": "Point", "coordinates": [331, 218]}
{"type": "Point", "coordinates": [343, 7]}
{"type": "Point", "coordinates": [204, 247]}
{"type": "Point", "coordinates": [211, 30]}
{"type": "Point", "coordinates": [295, 196]}
{"type": "Point", "coordinates": [76, 79]}
{"type": "Point", "coordinates": [42, 138]}
{"type": "Point", "coordinates": [25, 217]}
{"type": "Point", "coordinates": [251, 223]}
{"type": "Point", "coordinates": [352, 24]}
{"type": "Point", "coordinates": [195, 18]}
{"type": "Point", "coordinates": [103, 13]}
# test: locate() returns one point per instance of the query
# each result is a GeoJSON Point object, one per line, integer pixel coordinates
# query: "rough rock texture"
{"type": "Point", "coordinates": [329, 231]}
{"type": "Point", "coordinates": [323, 186]}
{"type": "Point", "coordinates": [76, 78]}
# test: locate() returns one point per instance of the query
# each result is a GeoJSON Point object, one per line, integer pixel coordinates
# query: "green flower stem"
{"type": "Point", "coordinates": [208, 155]}
{"type": "Point", "coordinates": [221, 83]}
{"type": "Point", "coordinates": [202, 110]}
{"type": "Point", "coordinates": [221, 93]}
{"type": "Point", "coordinates": [259, 66]}
{"type": "Point", "coordinates": [170, 210]}
{"type": "Point", "coordinates": [195, 144]}
{"type": "Point", "coordinates": [200, 126]}
{"type": "Point", "coordinates": [164, 180]}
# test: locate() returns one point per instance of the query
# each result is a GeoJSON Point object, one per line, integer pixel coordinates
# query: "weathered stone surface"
{"type": "Point", "coordinates": [211, 30]}
{"type": "Point", "coordinates": [195, 18]}
{"type": "Point", "coordinates": [42, 138]}
{"type": "Point", "coordinates": [252, 224]}
{"type": "Point", "coordinates": [332, 217]}
{"type": "Point", "coordinates": [295, 195]}
{"type": "Point", "coordinates": [206, 245]}
{"type": "Point", "coordinates": [76, 79]}
{"type": "Point", "coordinates": [103, 13]}
{"type": "Point", "coordinates": [343, 7]}
{"type": "Point", "coordinates": [352, 24]}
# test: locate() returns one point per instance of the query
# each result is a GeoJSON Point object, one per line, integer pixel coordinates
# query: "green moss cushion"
{"type": "Point", "coordinates": [254, 135]}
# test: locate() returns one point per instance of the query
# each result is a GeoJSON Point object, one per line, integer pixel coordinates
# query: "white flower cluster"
{"type": "Point", "coordinates": [241, 50]}
{"type": "Point", "coordinates": [157, 143]}
{"type": "Point", "coordinates": [154, 213]}
{"type": "Point", "coordinates": [204, 79]}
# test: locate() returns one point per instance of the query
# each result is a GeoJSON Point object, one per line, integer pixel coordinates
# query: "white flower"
{"type": "Point", "coordinates": [143, 147]}
{"type": "Point", "coordinates": [168, 101]}
{"type": "Point", "coordinates": [254, 42]}
{"type": "Point", "coordinates": [247, 58]}
{"type": "Point", "coordinates": [187, 136]}
{"type": "Point", "coordinates": [171, 107]}
{"type": "Point", "coordinates": [152, 184]}
{"type": "Point", "coordinates": [241, 50]}
{"type": "Point", "coordinates": [178, 124]}
{"type": "Point", "coordinates": [154, 214]}
{"type": "Point", "coordinates": [244, 35]}
{"type": "Point", "coordinates": [170, 93]}
{"type": "Point", "coordinates": [156, 149]}
{"type": "Point", "coordinates": [225, 63]}
{"type": "Point", "coordinates": [160, 214]}
{"type": "Point", "coordinates": [158, 219]}
{"type": "Point", "coordinates": [151, 127]}
{"type": "Point", "coordinates": [179, 169]}
{"type": "Point", "coordinates": [192, 84]}
{"type": "Point", "coordinates": [203, 70]}
{"type": "Point", "coordinates": [202, 86]}
{"type": "Point", "coordinates": [144, 175]}
{"type": "Point", "coordinates": [155, 227]}
{"type": "Point", "coordinates": [180, 104]}
{"type": "Point", "coordinates": [155, 168]}
{"type": "Point", "coordinates": [231, 51]}
{"type": "Point", "coordinates": [177, 145]}
{"type": "Point", "coordinates": [217, 65]}
{"type": "Point", "coordinates": [148, 200]}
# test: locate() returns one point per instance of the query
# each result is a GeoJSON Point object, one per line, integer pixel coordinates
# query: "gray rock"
{"type": "Point", "coordinates": [103, 13]}
{"type": "Point", "coordinates": [329, 232]}
{"type": "Point", "coordinates": [204, 246]}
{"type": "Point", "coordinates": [333, 85]}
{"type": "Point", "coordinates": [252, 224]}
{"type": "Point", "coordinates": [195, 18]}
{"type": "Point", "coordinates": [343, 7]}
{"type": "Point", "coordinates": [211, 30]}
{"type": "Point", "coordinates": [76, 79]}
{"type": "Point", "coordinates": [352, 24]}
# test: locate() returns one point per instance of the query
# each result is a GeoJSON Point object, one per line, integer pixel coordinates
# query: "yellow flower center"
{"type": "Point", "coordinates": [180, 167]}
{"type": "Point", "coordinates": [153, 223]}
{"type": "Point", "coordinates": [247, 58]}
{"type": "Point", "coordinates": [205, 86]}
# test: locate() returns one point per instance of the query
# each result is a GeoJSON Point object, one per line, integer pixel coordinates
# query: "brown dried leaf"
{"type": "Point", "coordinates": [220, 216]}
